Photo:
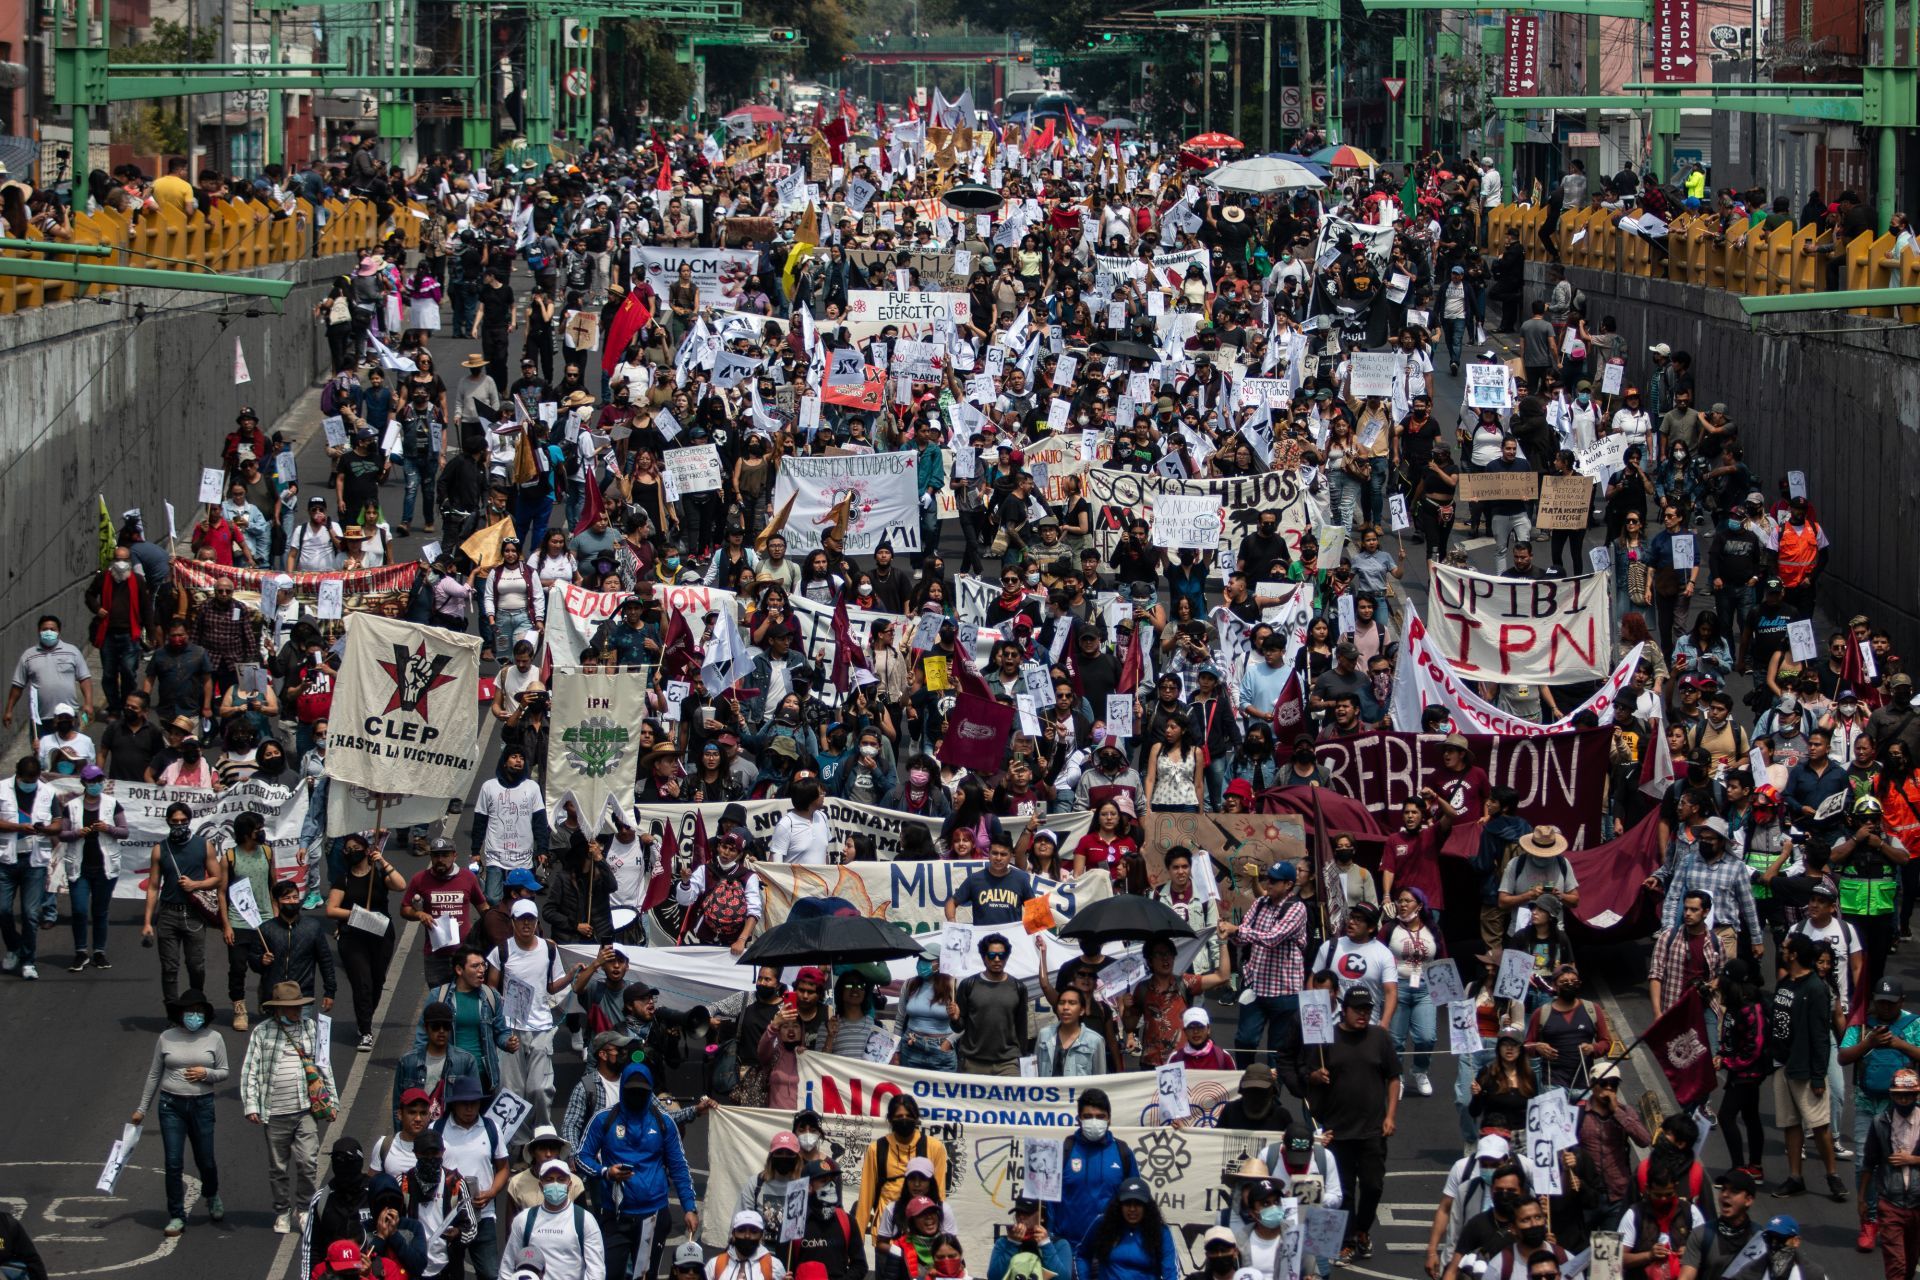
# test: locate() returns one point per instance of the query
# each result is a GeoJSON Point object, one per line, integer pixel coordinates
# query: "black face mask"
{"type": "Point", "coordinates": [428, 1171]}
{"type": "Point", "coordinates": [1222, 1266]}
{"type": "Point", "coordinates": [902, 1127]}
{"type": "Point", "coordinates": [290, 911]}
{"type": "Point", "coordinates": [273, 766]}
{"type": "Point", "coordinates": [767, 995]}
{"type": "Point", "coordinates": [1506, 1201]}
{"type": "Point", "coordinates": [190, 753]}
{"type": "Point", "coordinates": [1343, 856]}
{"type": "Point", "coordinates": [178, 835]}
{"type": "Point", "coordinates": [635, 1099]}
{"type": "Point", "coordinates": [1533, 1237]}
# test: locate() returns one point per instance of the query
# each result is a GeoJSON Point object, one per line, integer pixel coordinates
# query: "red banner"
{"type": "Point", "coordinates": [1673, 41]}
{"type": "Point", "coordinates": [362, 588]}
{"type": "Point", "coordinates": [1678, 1039]}
{"type": "Point", "coordinates": [1523, 56]}
{"type": "Point", "coordinates": [870, 396]}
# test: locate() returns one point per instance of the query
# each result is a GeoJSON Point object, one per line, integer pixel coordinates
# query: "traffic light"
{"type": "Point", "coordinates": [783, 35]}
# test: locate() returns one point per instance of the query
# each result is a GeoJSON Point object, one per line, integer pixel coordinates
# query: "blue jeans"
{"type": "Point", "coordinates": [507, 624]}
{"type": "Point", "coordinates": [92, 899]}
{"type": "Point", "coordinates": [530, 517]}
{"type": "Point", "coordinates": [1377, 492]}
{"type": "Point", "coordinates": [120, 657]}
{"type": "Point", "coordinates": [1268, 1016]}
{"type": "Point", "coordinates": [1349, 498]}
{"type": "Point", "coordinates": [493, 881]}
{"type": "Point", "coordinates": [184, 1120]}
{"type": "Point", "coordinates": [1216, 785]}
{"type": "Point", "coordinates": [1456, 338]}
{"type": "Point", "coordinates": [1415, 1013]}
{"type": "Point", "coordinates": [421, 474]}
{"type": "Point", "coordinates": [1470, 1065]}
{"type": "Point", "coordinates": [29, 885]}
{"type": "Point", "coordinates": [927, 1057]}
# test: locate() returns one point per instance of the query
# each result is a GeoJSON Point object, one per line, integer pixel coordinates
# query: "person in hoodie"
{"type": "Point", "coordinates": [1129, 1241]}
{"type": "Point", "coordinates": [1094, 1165]}
{"type": "Point", "coordinates": [634, 1155]}
{"type": "Point", "coordinates": [390, 1232]}
{"type": "Point", "coordinates": [335, 1211]}
{"type": "Point", "coordinates": [829, 1241]}
{"type": "Point", "coordinates": [509, 822]}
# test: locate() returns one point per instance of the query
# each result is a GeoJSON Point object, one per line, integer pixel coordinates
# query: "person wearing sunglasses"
{"type": "Point", "coordinates": [991, 1011]}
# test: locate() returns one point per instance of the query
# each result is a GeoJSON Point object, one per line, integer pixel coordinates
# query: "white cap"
{"type": "Point", "coordinates": [1492, 1147]}
{"type": "Point", "coordinates": [1196, 1017]}
{"type": "Point", "coordinates": [689, 1254]}
{"type": "Point", "coordinates": [524, 909]}
{"type": "Point", "coordinates": [748, 1218]}
{"type": "Point", "coordinates": [64, 709]}
{"type": "Point", "coordinates": [555, 1166]}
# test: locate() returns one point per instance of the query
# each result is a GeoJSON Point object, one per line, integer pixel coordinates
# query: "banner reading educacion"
{"type": "Point", "coordinates": [1186, 1167]}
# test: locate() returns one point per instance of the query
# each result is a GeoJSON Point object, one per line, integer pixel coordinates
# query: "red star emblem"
{"type": "Point", "coordinates": [414, 676]}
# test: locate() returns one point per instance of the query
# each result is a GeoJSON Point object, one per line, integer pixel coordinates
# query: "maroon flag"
{"type": "Point", "coordinates": [1289, 712]}
{"type": "Point", "coordinates": [677, 651]}
{"type": "Point", "coordinates": [660, 886]}
{"type": "Point", "coordinates": [847, 653]}
{"type": "Point", "coordinates": [594, 504]}
{"type": "Point", "coordinates": [977, 735]}
{"type": "Point", "coordinates": [699, 856]}
{"type": "Point", "coordinates": [1133, 664]}
{"type": "Point", "coordinates": [1678, 1039]}
{"type": "Point", "coordinates": [965, 678]}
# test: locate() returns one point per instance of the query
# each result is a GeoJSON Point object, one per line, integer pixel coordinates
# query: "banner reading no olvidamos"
{"type": "Point", "coordinates": [834, 1085]}
{"type": "Point", "coordinates": [884, 502]}
{"type": "Point", "coordinates": [986, 1165]}
{"type": "Point", "coordinates": [912, 895]}
{"type": "Point", "coordinates": [406, 710]}
{"type": "Point", "coordinates": [591, 750]}
{"type": "Point", "coordinates": [1522, 631]}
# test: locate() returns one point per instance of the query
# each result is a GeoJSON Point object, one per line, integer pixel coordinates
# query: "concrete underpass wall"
{"type": "Point", "coordinates": [129, 397]}
{"type": "Point", "coordinates": [1833, 395]}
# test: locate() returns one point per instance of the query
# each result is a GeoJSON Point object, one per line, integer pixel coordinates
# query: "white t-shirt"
{"type": "Point", "coordinates": [393, 1156]}
{"type": "Point", "coordinates": [1356, 964]}
{"type": "Point", "coordinates": [1845, 940]}
{"type": "Point", "coordinates": [799, 840]}
{"type": "Point", "coordinates": [1490, 188]}
{"type": "Point", "coordinates": [536, 966]}
{"type": "Point", "coordinates": [471, 1154]}
{"type": "Point", "coordinates": [509, 815]}
{"type": "Point", "coordinates": [627, 863]}
{"type": "Point", "coordinates": [567, 1245]}
{"type": "Point", "coordinates": [311, 550]}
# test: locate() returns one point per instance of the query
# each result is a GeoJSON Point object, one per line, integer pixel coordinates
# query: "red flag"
{"type": "Point", "coordinates": [629, 320]}
{"type": "Point", "coordinates": [1133, 663]}
{"type": "Point", "coordinates": [591, 509]}
{"type": "Point", "coordinates": [656, 146]}
{"type": "Point", "coordinates": [677, 649]}
{"type": "Point", "coordinates": [977, 733]}
{"type": "Point", "coordinates": [836, 135]}
{"type": "Point", "coordinates": [847, 110]}
{"type": "Point", "coordinates": [1289, 711]}
{"type": "Point", "coordinates": [1045, 140]}
{"type": "Point", "coordinates": [819, 113]}
{"type": "Point", "coordinates": [846, 651]}
{"type": "Point", "coordinates": [1678, 1039]}
{"type": "Point", "coordinates": [879, 117]}
{"type": "Point", "coordinates": [699, 856]}
{"type": "Point", "coordinates": [660, 885]}
{"type": "Point", "coordinates": [665, 181]}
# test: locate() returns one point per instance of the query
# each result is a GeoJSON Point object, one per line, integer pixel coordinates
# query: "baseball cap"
{"type": "Point", "coordinates": [749, 1218]}
{"type": "Point", "coordinates": [1889, 989]}
{"type": "Point", "coordinates": [438, 1011]}
{"type": "Point", "coordinates": [522, 878]}
{"type": "Point", "coordinates": [1358, 998]}
{"type": "Point", "coordinates": [689, 1254]}
{"type": "Point", "coordinates": [554, 1166]}
{"type": "Point", "coordinates": [1718, 826]}
{"type": "Point", "coordinates": [1661, 349]}
{"type": "Point", "coordinates": [1196, 1017]}
{"type": "Point", "coordinates": [1782, 1225]}
{"type": "Point", "coordinates": [343, 1255]}
{"type": "Point", "coordinates": [1218, 1235]}
{"type": "Point", "coordinates": [1492, 1148]}
{"type": "Point", "coordinates": [1740, 1180]}
{"type": "Point", "coordinates": [1134, 1190]}
{"type": "Point", "coordinates": [412, 1096]}
{"type": "Point", "coordinates": [525, 909]}
{"type": "Point", "coordinates": [1257, 1076]}
{"type": "Point", "coordinates": [919, 1205]}
{"type": "Point", "coordinates": [785, 1141]}
{"type": "Point", "coordinates": [1282, 871]}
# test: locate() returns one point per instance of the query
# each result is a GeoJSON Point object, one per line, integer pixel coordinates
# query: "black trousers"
{"type": "Point", "coordinates": [365, 958]}
{"type": "Point", "coordinates": [493, 345]}
{"type": "Point", "coordinates": [1363, 1169]}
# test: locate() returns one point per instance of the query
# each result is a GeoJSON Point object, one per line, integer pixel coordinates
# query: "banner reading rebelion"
{"type": "Point", "coordinates": [590, 750]}
{"type": "Point", "coordinates": [406, 710]}
{"type": "Point", "coordinates": [1561, 777]}
{"type": "Point", "coordinates": [986, 1164]}
{"type": "Point", "coordinates": [1424, 678]}
{"type": "Point", "coordinates": [912, 895]}
{"type": "Point", "coordinates": [884, 500]}
{"type": "Point", "coordinates": [720, 274]}
{"type": "Point", "coordinates": [1521, 630]}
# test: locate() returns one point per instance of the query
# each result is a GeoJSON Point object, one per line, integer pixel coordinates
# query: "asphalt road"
{"type": "Point", "coordinates": [78, 1046]}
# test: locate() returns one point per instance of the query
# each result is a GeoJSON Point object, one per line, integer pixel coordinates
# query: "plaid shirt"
{"type": "Point", "coordinates": [228, 640]}
{"type": "Point", "coordinates": [1725, 880]}
{"type": "Point", "coordinates": [1275, 931]}
{"type": "Point", "coordinates": [1670, 963]}
{"type": "Point", "coordinates": [269, 1040]}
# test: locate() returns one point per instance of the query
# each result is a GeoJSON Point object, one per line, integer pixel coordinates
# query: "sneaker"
{"type": "Point", "coordinates": [312, 901]}
{"type": "Point", "coordinates": [1841, 1151]}
{"type": "Point", "coordinates": [175, 1227]}
{"type": "Point", "coordinates": [366, 1043]}
{"type": "Point", "coordinates": [79, 964]}
{"type": "Point", "coordinates": [1422, 1085]}
{"type": "Point", "coordinates": [1362, 1247]}
{"type": "Point", "coordinates": [1836, 1188]}
{"type": "Point", "coordinates": [283, 1223]}
{"type": "Point", "coordinates": [11, 963]}
{"type": "Point", "coordinates": [100, 960]}
{"type": "Point", "coordinates": [1789, 1186]}
{"type": "Point", "coordinates": [239, 1015]}
{"type": "Point", "coordinates": [30, 973]}
{"type": "Point", "coordinates": [1869, 1237]}
{"type": "Point", "coordinates": [216, 1210]}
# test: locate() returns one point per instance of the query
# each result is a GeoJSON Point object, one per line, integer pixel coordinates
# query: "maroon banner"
{"type": "Point", "coordinates": [978, 731]}
{"type": "Point", "coordinates": [1673, 29]}
{"type": "Point", "coordinates": [1612, 902]}
{"type": "Point", "coordinates": [362, 588]}
{"type": "Point", "coordinates": [1561, 778]}
{"type": "Point", "coordinates": [1678, 1039]}
{"type": "Point", "coordinates": [1523, 56]}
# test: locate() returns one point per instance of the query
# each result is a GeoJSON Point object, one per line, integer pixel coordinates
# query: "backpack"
{"type": "Point", "coordinates": [721, 912]}
{"type": "Point", "coordinates": [553, 966]}
{"type": "Point", "coordinates": [493, 1132]}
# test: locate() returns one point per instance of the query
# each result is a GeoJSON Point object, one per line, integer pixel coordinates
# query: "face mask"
{"type": "Point", "coordinates": [1033, 579]}
{"type": "Point", "coordinates": [177, 835]}
{"type": "Point", "coordinates": [745, 1246]}
{"type": "Point", "coordinates": [766, 995]}
{"type": "Point", "coordinates": [190, 753]}
{"type": "Point", "coordinates": [924, 968]}
{"type": "Point", "coordinates": [1343, 856]}
{"type": "Point", "coordinates": [1507, 1201]}
{"type": "Point", "coordinates": [902, 1127]}
{"type": "Point", "coordinates": [27, 788]}
{"type": "Point", "coordinates": [1584, 397]}
{"type": "Point", "coordinates": [290, 911]}
{"type": "Point", "coordinates": [133, 715]}
{"type": "Point", "coordinates": [827, 1197]}
{"type": "Point", "coordinates": [866, 588]}
{"type": "Point", "coordinates": [429, 1171]}
{"type": "Point", "coordinates": [196, 1021]}
{"type": "Point", "coordinates": [49, 638]}
{"type": "Point", "coordinates": [514, 773]}
{"type": "Point", "coordinates": [95, 788]}
{"type": "Point", "coordinates": [868, 751]}
{"type": "Point", "coordinates": [949, 1267]}
{"type": "Point", "coordinates": [673, 562]}
{"type": "Point", "coordinates": [1533, 1237]}
{"type": "Point", "coordinates": [808, 1141]}
{"type": "Point", "coordinates": [1093, 1129]}
{"type": "Point", "coordinates": [918, 777]}
{"type": "Point", "coordinates": [1906, 1108]}
{"type": "Point", "coordinates": [121, 569]}
{"type": "Point", "coordinates": [1222, 1267]}
{"type": "Point", "coordinates": [554, 1193]}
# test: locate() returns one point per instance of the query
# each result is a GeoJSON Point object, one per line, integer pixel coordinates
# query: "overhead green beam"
{"type": "Point", "coordinates": [134, 88]}
{"type": "Point", "coordinates": [1283, 9]}
{"type": "Point", "coordinates": [145, 278]}
{"type": "Point", "coordinates": [8, 243]}
{"type": "Point", "coordinates": [1705, 86]}
{"type": "Point", "coordinates": [1815, 107]}
{"type": "Point", "coordinates": [1844, 300]}
{"type": "Point", "coordinates": [1598, 8]}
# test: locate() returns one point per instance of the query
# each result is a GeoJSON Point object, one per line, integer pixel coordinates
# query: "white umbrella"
{"type": "Point", "coordinates": [1262, 174]}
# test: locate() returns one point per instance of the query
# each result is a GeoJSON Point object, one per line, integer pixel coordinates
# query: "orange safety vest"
{"type": "Point", "coordinates": [1900, 810]}
{"type": "Point", "coordinates": [1799, 552]}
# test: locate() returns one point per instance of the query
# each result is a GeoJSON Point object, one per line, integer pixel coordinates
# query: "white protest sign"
{"type": "Point", "coordinates": [516, 1007]}
{"type": "Point", "coordinates": [508, 1112]}
{"type": "Point", "coordinates": [1796, 484]}
{"type": "Point", "coordinates": [1186, 520]}
{"type": "Point", "coordinates": [1322, 1231]}
{"type": "Point", "coordinates": [881, 1045]}
{"type": "Point", "coordinates": [1800, 637]}
{"type": "Point", "coordinates": [1443, 982]}
{"type": "Point", "coordinates": [240, 894]}
{"type": "Point", "coordinates": [1370, 373]}
{"type": "Point", "coordinates": [331, 600]}
{"type": "Point", "coordinates": [1463, 1028]}
{"type": "Point", "coordinates": [117, 1157]}
{"type": "Point", "coordinates": [694, 469]}
{"type": "Point", "coordinates": [1397, 513]}
{"type": "Point", "coordinates": [1119, 715]}
{"type": "Point", "coordinates": [1316, 1017]}
{"type": "Point", "coordinates": [1683, 551]}
{"type": "Point", "coordinates": [1516, 971]}
{"type": "Point", "coordinates": [793, 1210]}
{"type": "Point", "coordinates": [212, 485]}
{"type": "Point", "coordinates": [1487, 387]}
{"type": "Point", "coordinates": [1613, 377]}
{"type": "Point", "coordinates": [957, 958]}
{"type": "Point", "coordinates": [1043, 1158]}
{"type": "Point", "coordinates": [1170, 1082]}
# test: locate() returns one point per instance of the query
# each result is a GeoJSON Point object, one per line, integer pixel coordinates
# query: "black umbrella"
{"type": "Point", "coordinates": [832, 940]}
{"type": "Point", "coordinates": [1125, 348]}
{"type": "Point", "coordinates": [1128, 918]}
{"type": "Point", "coordinates": [971, 198]}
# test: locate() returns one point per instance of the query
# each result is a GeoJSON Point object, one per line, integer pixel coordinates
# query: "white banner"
{"type": "Point", "coordinates": [573, 615]}
{"type": "Point", "coordinates": [1119, 496]}
{"type": "Point", "coordinates": [591, 753]}
{"type": "Point", "coordinates": [849, 817]}
{"type": "Point", "coordinates": [912, 895]}
{"type": "Point", "coordinates": [871, 310]}
{"type": "Point", "coordinates": [1522, 631]}
{"type": "Point", "coordinates": [1048, 461]}
{"type": "Point", "coordinates": [885, 502]}
{"type": "Point", "coordinates": [144, 809]}
{"type": "Point", "coordinates": [1424, 678]}
{"type": "Point", "coordinates": [1183, 520]}
{"type": "Point", "coordinates": [406, 709]}
{"type": "Point", "coordinates": [694, 469]}
{"type": "Point", "coordinates": [816, 631]}
{"type": "Point", "coordinates": [720, 274]}
{"type": "Point", "coordinates": [986, 1163]}
{"type": "Point", "coordinates": [351, 809]}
